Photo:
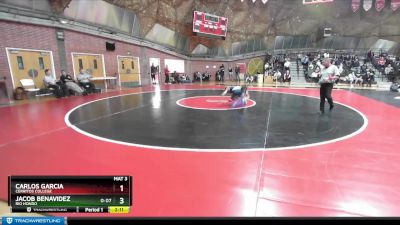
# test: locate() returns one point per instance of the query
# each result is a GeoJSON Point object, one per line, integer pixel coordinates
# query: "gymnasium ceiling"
{"type": "Point", "coordinates": [248, 20]}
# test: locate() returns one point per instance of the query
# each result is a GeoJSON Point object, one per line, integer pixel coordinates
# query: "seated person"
{"type": "Point", "coordinates": [372, 75]}
{"type": "Point", "coordinates": [394, 87]}
{"type": "Point", "coordinates": [51, 83]}
{"type": "Point", "coordinates": [239, 95]}
{"type": "Point", "coordinates": [350, 78]}
{"type": "Point", "coordinates": [311, 67]}
{"type": "Point", "coordinates": [368, 79]}
{"type": "Point", "coordinates": [174, 78]}
{"type": "Point", "coordinates": [206, 76]}
{"type": "Point", "coordinates": [84, 81]}
{"type": "Point", "coordinates": [286, 65]}
{"type": "Point", "coordinates": [277, 76]}
{"type": "Point", "coordinates": [358, 79]}
{"type": "Point", "coordinates": [70, 84]}
{"type": "Point", "coordinates": [249, 78]}
{"type": "Point", "coordinates": [287, 77]}
{"type": "Point", "coordinates": [363, 68]}
{"type": "Point", "coordinates": [218, 76]}
{"type": "Point", "coordinates": [183, 78]}
{"type": "Point", "coordinates": [316, 75]}
{"type": "Point", "coordinates": [197, 76]}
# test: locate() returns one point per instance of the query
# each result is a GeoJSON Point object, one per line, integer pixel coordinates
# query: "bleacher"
{"type": "Point", "coordinates": [299, 78]}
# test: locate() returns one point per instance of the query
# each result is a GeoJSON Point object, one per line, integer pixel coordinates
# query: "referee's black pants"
{"type": "Point", "coordinates": [325, 92]}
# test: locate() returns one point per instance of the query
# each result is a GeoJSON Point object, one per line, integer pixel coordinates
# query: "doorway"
{"type": "Point", "coordinates": [155, 72]}
{"type": "Point", "coordinates": [29, 64]}
{"type": "Point", "coordinates": [129, 71]}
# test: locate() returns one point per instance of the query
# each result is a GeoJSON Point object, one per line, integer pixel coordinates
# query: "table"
{"type": "Point", "coordinates": [269, 80]}
{"type": "Point", "coordinates": [105, 79]}
{"type": "Point", "coordinates": [260, 78]}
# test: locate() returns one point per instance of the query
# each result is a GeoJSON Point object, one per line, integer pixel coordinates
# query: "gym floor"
{"type": "Point", "coordinates": [190, 154]}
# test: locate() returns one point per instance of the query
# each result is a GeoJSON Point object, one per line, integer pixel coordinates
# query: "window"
{"type": "Point", "coordinates": [95, 64]}
{"type": "Point", "coordinates": [175, 65]}
{"type": "Point", "coordinates": [20, 62]}
{"type": "Point", "coordinates": [132, 65]}
{"type": "Point", "coordinates": [80, 64]}
{"type": "Point", "coordinates": [41, 63]}
{"type": "Point", "coordinates": [123, 64]}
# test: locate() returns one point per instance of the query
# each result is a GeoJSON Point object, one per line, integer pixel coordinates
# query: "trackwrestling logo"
{"type": "Point", "coordinates": [33, 220]}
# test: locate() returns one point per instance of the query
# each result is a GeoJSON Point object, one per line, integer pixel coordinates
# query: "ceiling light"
{"type": "Point", "coordinates": [63, 21]}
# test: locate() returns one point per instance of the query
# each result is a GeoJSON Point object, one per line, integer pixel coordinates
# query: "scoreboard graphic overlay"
{"type": "Point", "coordinates": [75, 194]}
{"type": "Point", "coordinates": [208, 24]}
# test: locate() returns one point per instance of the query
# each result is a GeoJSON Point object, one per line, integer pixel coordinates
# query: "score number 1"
{"type": "Point", "coordinates": [121, 200]}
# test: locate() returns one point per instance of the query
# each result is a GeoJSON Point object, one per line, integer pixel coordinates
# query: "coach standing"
{"type": "Point", "coordinates": [329, 74]}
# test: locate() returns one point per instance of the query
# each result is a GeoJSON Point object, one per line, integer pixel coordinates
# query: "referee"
{"type": "Point", "coordinates": [329, 74]}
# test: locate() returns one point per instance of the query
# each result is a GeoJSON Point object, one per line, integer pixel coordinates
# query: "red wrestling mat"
{"type": "Point", "coordinates": [353, 177]}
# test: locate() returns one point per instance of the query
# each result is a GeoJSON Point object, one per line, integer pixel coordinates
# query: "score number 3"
{"type": "Point", "coordinates": [121, 200]}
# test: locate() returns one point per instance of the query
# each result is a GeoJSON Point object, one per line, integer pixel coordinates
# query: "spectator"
{"type": "Point", "coordinates": [287, 77]}
{"type": "Point", "coordinates": [249, 78]}
{"type": "Point", "coordinates": [364, 68]}
{"type": "Point", "coordinates": [381, 63]}
{"type": "Point", "coordinates": [230, 73]}
{"type": "Point", "coordinates": [277, 76]}
{"type": "Point", "coordinates": [237, 71]}
{"type": "Point", "coordinates": [356, 64]}
{"type": "Point", "coordinates": [388, 70]}
{"type": "Point", "coordinates": [69, 82]}
{"type": "Point", "coordinates": [166, 72]}
{"type": "Point", "coordinates": [315, 75]}
{"type": "Point", "coordinates": [351, 77]}
{"type": "Point", "coordinates": [153, 71]}
{"type": "Point", "coordinates": [369, 55]}
{"type": "Point", "coordinates": [371, 74]}
{"type": "Point", "coordinates": [51, 83]}
{"type": "Point", "coordinates": [394, 87]}
{"type": "Point", "coordinates": [287, 65]}
{"type": "Point", "coordinates": [84, 81]}
{"type": "Point", "coordinates": [174, 77]}
{"type": "Point", "coordinates": [311, 66]}
{"type": "Point", "coordinates": [358, 79]}
{"type": "Point", "coordinates": [183, 78]}
{"type": "Point", "coordinates": [266, 68]}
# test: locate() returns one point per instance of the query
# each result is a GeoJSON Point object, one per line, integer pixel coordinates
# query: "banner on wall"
{"type": "Point", "coordinates": [367, 5]}
{"type": "Point", "coordinates": [395, 5]}
{"type": "Point", "coordinates": [355, 5]}
{"type": "Point", "coordinates": [379, 5]}
{"type": "Point", "coordinates": [175, 65]}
